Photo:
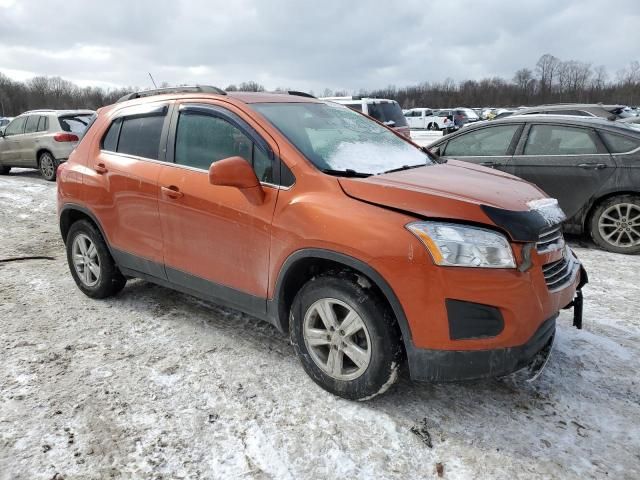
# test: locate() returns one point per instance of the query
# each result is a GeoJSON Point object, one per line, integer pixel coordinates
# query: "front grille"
{"type": "Point", "coordinates": [550, 239]}
{"type": "Point", "coordinates": [557, 274]}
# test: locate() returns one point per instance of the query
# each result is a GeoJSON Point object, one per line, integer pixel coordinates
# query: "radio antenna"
{"type": "Point", "coordinates": [152, 80]}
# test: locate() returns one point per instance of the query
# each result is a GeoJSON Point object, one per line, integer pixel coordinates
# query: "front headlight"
{"type": "Point", "coordinates": [456, 245]}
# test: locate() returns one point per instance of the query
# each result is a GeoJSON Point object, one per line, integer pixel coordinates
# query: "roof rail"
{"type": "Point", "coordinates": [161, 91]}
{"type": "Point", "coordinates": [300, 94]}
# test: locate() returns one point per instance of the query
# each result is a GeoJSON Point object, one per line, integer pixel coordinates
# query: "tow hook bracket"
{"type": "Point", "coordinates": [577, 310]}
{"type": "Point", "coordinates": [540, 361]}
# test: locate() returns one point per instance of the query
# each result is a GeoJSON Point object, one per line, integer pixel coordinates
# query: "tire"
{"type": "Point", "coordinates": [47, 165]}
{"type": "Point", "coordinates": [4, 170]}
{"type": "Point", "coordinates": [373, 331]}
{"type": "Point", "coordinates": [103, 279]}
{"type": "Point", "coordinates": [615, 224]}
{"type": "Point", "coordinates": [434, 127]}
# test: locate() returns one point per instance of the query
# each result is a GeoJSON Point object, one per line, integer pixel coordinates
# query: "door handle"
{"type": "Point", "coordinates": [488, 164]}
{"type": "Point", "coordinates": [172, 191]}
{"type": "Point", "coordinates": [592, 166]}
{"type": "Point", "coordinates": [101, 168]}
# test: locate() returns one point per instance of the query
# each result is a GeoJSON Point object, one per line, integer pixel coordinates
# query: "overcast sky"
{"type": "Point", "coordinates": [308, 44]}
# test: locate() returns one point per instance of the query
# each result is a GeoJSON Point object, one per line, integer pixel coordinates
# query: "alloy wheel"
{"type": "Point", "coordinates": [86, 260]}
{"type": "Point", "coordinates": [619, 225]}
{"type": "Point", "coordinates": [47, 166]}
{"type": "Point", "coordinates": [337, 339]}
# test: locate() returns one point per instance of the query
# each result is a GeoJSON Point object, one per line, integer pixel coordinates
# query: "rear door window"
{"type": "Point", "coordinates": [43, 124]}
{"type": "Point", "coordinates": [493, 141]}
{"type": "Point", "coordinates": [559, 140]}
{"type": "Point", "coordinates": [618, 143]}
{"type": "Point", "coordinates": [32, 124]}
{"type": "Point", "coordinates": [140, 136]}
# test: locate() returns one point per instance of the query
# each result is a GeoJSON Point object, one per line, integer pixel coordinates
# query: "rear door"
{"type": "Point", "coordinates": [569, 163]}
{"type": "Point", "coordinates": [491, 146]}
{"type": "Point", "coordinates": [122, 186]}
{"type": "Point", "coordinates": [28, 142]}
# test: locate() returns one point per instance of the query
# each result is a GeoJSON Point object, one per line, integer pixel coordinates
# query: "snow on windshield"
{"type": "Point", "coordinates": [373, 157]}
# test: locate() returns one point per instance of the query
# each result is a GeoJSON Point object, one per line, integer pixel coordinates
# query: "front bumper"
{"type": "Point", "coordinates": [454, 365]}
{"type": "Point", "coordinates": [518, 322]}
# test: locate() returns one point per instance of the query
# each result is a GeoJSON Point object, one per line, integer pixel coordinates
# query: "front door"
{"type": "Point", "coordinates": [491, 146]}
{"type": "Point", "coordinates": [10, 142]}
{"type": "Point", "coordinates": [569, 163]}
{"type": "Point", "coordinates": [216, 239]}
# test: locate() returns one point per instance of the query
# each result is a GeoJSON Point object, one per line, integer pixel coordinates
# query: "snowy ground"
{"type": "Point", "coordinates": [156, 384]}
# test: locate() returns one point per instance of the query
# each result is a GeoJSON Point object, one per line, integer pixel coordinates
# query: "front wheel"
{"type": "Point", "coordinates": [615, 224]}
{"type": "Point", "coordinates": [345, 336]}
{"type": "Point", "coordinates": [90, 262]}
{"type": "Point", "coordinates": [434, 127]}
{"type": "Point", "coordinates": [48, 166]}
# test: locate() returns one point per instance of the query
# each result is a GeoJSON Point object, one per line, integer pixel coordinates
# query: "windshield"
{"type": "Point", "coordinates": [333, 137]}
{"type": "Point", "coordinates": [387, 112]}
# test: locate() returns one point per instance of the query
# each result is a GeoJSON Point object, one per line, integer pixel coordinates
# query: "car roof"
{"type": "Point", "coordinates": [603, 123]}
{"type": "Point", "coordinates": [58, 112]}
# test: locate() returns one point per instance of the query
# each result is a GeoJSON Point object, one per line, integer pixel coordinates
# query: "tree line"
{"type": "Point", "coordinates": [552, 80]}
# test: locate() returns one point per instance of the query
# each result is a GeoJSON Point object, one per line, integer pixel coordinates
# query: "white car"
{"type": "Point", "coordinates": [424, 119]}
{"type": "Point", "coordinates": [42, 139]}
{"type": "Point", "coordinates": [384, 110]}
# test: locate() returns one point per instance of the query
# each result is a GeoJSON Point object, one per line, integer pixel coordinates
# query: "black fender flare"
{"type": "Point", "coordinates": [79, 208]}
{"type": "Point", "coordinates": [281, 316]}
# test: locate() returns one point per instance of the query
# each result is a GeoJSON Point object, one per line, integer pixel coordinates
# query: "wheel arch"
{"type": "Point", "coordinates": [71, 213]}
{"type": "Point", "coordinates": [42, 150]}
{"type": "Point", "coordinates": [603, 197]}
{"type": "Point", "coordinates": [302, 265]}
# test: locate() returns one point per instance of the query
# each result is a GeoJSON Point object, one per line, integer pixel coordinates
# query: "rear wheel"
{"type": "Point", "coordinates": [48, 166]}
{"type": "Point", "coordinates": [90, 262]}
{"type": "Point", "coordinates": [434, 127]}
{"type": "Point", "coordinates": [4, 170]}
{"type": "Point", "coordinates": [345, 337]}
{"type": "Point", "coordinates": [615, 224]}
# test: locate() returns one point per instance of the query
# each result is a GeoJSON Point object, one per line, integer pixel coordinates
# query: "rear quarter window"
{"type": "Point", "coordinates": [619, 143]}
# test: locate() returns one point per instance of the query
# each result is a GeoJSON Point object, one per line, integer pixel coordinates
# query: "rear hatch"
{"type": "Point", "coordinates": [389, 113]}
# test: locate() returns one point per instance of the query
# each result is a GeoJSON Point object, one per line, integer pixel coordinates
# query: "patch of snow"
{"type": "Point", "coordinates": [549, 209]}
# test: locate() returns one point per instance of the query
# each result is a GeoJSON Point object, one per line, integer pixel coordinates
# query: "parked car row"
{"type": "Point", "coordinates": [447, 120]}
{"type": "Point", "coordinates": [42, 139]}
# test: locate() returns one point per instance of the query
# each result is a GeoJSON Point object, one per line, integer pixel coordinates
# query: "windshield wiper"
{"type": "Point", "coordinates": [405, 167]}
{"type": "Point", "coordinates": [348, 172]}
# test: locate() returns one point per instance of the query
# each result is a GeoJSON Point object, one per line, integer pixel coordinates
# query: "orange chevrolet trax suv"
{"type": "Point", "coordinates": [364, 248]}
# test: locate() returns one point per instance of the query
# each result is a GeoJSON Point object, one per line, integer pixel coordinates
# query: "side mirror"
{"type": "Point", "coordinates": [236, 172]}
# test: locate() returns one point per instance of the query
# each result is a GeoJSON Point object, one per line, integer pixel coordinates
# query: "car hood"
{"type": "Point", "coordinates": [461, 191]}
